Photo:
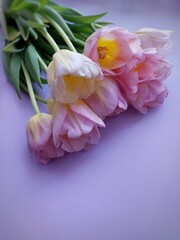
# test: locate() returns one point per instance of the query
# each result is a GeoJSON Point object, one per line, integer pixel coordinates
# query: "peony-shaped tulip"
{"type": "Point", "coordinates": [143, 85]}
{"type": "Point", "coordinates": [107, 99]}
{"type": "Point", "coordinates": [114, 49]}
{"type": "Point", "coordinates": [71, 76]}
{"type": "Point", "coordinates": [75, 125]}
{"type": "Point", "coordinates": [156, 38]}
{"type": "Point", "coordinates": [40, 140]}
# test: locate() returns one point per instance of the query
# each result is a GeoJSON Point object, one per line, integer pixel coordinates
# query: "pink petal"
{"type": "Point", "coordinates": [83, 142]}
{"type": "Point", "coordinates": [59, 114]}
{"type": "Point", "coordinates": [82, 109]}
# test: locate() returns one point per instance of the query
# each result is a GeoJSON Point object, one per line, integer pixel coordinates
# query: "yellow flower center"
{"type": "Point", "coordinates": [108, 51]}
{"type": "Point", "coordinates": [77, 87]}
{"type": "Point", "coordinates": [74, 82]}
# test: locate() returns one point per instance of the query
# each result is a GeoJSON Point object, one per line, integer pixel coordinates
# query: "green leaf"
{"type": "Point", "coordinates": [47, 62]}
{"type": "Point", "coordinates": [12, 47]}
{"type": "Point", "coordinates": [35, 24]}
{"type": "Point", "coordinates": [26, 14]}
{"type": "Point", "coordinates": [3, 23]}
{"type": "Point", "coordinates": [14, 3]}
{"type": "Point", "coordinates": [46, 57]}
{"type": "Point", "coordinates": [43, 45]}
{"type": "Point", "coordinates": [82, 19]}
{"type": "Point", "coordinates": [13, 33]}
{"type": "Point", "coordinates": [65, 10]}
{"type": "Point", "coordinates": [50, 13]}
{"type": "Point", "coordinates": [43, 2]}
{"type": "Point", "coordinates": [82, 37]}
{"type": "Point", "coordinates": [6, 58]}
{"type": "Point", "coordinates": [83, 28]}
{"type": "Point", "coordinates": [33, 33]}
{"type": "Point", "coordinates": [33, 20]}
{"type": "Point", "coordinates": [30, 5]}
{"type": "Point", "coordinates": [15, 68]}
{"type": "Point", "coordinates": [23, 27]}
{"type": "Point", "coordinates": [12, 65]}
{"type": "Point", "coordinates": [44, 81]}
{"type": "Point", "coordinates": [103, 23]}
{"type": "Point", "coordinates": [32, 64]}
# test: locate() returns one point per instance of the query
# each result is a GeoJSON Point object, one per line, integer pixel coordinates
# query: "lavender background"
{"type": "Point", "coordinates": [125, 188]}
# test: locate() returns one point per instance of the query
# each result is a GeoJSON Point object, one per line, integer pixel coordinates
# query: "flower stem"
{"type": "Point", "coordinates": [30, 89]}
{"type": "Point", "coordinates": [51, 41]}
{"type": "Point", "coordinates": [47, 36]}
{"type": "Point", "coordinates": [63, 35]}
{"type": "Point", "coordinates": [23, 86]}
{"type": "Point", "coordinates": [43, 64]}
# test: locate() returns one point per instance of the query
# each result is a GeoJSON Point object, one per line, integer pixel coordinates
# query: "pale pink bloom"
{"type": "Point", "coordinates": [156, 38]}
{"type": "Point", "coordinates": [114, 49]}
{"type": "Point", "coordinates": [39, 137]}
{"type": "Point", "coordinates": [75, 125]}
{"type": "Point", "coordinates": [150, 94]}
{"type": "Point", "coordinates": [106, 99]}
{"type": "Point", "coordinates": [143, 86]}
{"type": "Point", "coordinates": [71, 76]}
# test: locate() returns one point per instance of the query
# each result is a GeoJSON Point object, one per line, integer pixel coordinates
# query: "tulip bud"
{"type": "Point", "coordinates": [39, 137]}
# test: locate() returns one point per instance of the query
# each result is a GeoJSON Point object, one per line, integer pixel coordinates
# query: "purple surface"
{"type": "Point", "coordinates": [125, 188]}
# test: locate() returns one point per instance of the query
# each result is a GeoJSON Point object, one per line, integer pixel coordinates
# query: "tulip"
{"type": "Point", "coordinates": [143, 85]}
{"type": "Point", "coordinates": [75, 125]}
{"type": "Point", "coordinates": [71, 76]}
{"type": "Point", "coordinates": [107, 99]}
{"type": "Point", "coordinates": [40, 140]}
{"type": "Point", "coordinates": [155, 38]}
{"type": "Point", "coordinates": [114, 49]}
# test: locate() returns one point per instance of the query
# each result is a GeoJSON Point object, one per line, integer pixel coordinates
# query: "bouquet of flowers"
{"type": "Point", "coordinates": [93, 70]}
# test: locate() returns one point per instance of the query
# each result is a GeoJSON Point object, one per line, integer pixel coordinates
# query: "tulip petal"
{"type": "Point", "coordinates": [107, 99]}
{"type": "Point", "coordinates": [82, 109]}
{"type": "Point", "coordinates": [156, 38]}
{"type": "Point", "coordinates": [59, 114]}
{"type": "Point", "coordinates": [83, 142]}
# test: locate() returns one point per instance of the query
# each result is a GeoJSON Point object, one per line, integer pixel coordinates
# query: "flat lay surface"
{"type": "Point", "coordinates": [125, 188]}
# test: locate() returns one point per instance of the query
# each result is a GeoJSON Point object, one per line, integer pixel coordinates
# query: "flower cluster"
{"type": "Point", "coordinates": [117, 68]}
{"type": "Point", "coordinates": [114, 69]}
{"type": "Point", "coordinates": [134, 61]}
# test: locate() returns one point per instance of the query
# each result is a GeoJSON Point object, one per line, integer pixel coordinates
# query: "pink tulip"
{"type": "Point", "coordinates": [143, 85]}
{"type": "Point", "coordinates": [114, 49]}
{"type": "Point", "coordinates": [40, 140]}
{"type": "Point", "coordinates": [71, 76]}
{"type": "Point", "coordinates": [74, 125]}
{"type": "Point", "coordinates": [157, 39]}
{"type": "Point", "coordinates": [107, 99]}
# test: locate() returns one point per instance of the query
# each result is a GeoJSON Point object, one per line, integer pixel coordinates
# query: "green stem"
{"type": "Point", "coordinates": [63, 35]}
{"type": "Point", "coordinates": [51, 41]}
{"type": "Point", "coordinates": [43, 64]}
{"type": "Point", "coordinates": [23, 86]}
{"type": "Point", "coordinates": [80, 42]}
{"type": "Point", "coordinates": [30, 89]}
{"type": "Point", "coordinates": [47, 36]}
